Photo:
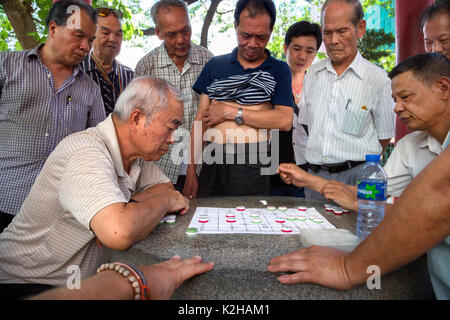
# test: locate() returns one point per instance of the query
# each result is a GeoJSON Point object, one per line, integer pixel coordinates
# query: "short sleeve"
{"type": "Point", "coordinates": [204, 79]}
{"type": "Point", "coordinates": [384, 116]}
{"type": "Point", "coordinates": [150, 176]}
{"type": "Point", "coordinates": [283, 89]}
{"type": "Point", "coordinates": [398, 172]}
{"type": "Point", "coordinates": [142, 68]}
{"type": "Point", "coordinates": [89, 184]}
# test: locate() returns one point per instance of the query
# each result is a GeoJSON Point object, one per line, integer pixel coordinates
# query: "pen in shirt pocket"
{"type": "Point", "coordinates": [348, 102]}
{"type": "Point", "coordinates": [68, 100]}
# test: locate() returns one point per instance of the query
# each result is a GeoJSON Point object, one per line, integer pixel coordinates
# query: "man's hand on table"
{"type": "Point", "coordinates": [177, 202]}
{"type": "Point", "coordinates": [341, 193]}
{"type": "Point", "coordinates": [321, 265]}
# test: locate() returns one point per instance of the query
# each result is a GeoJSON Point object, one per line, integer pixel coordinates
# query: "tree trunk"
{"type": "Point", "coordinates": [208, 19]}
{"type": "Point", "coordinates": [21, 20]}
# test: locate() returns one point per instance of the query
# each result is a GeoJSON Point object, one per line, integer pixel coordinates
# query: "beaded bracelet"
{"type": "Point", "coordinates": [134, 276]}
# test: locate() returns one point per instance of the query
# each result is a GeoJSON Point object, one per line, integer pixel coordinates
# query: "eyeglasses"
{"type": "Point", "coordinates": [104, 12]}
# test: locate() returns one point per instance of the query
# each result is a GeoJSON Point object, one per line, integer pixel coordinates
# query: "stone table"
{"type": "Point", "coordinates": [241, 260]}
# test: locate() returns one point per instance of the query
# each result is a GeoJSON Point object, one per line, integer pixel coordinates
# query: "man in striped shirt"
{"type": "Point", "coordinates": [101, 65]}
{"type": "Point", "coordinates": [44, 96]}
{"type": "Point", "coordinates": [346, 102]}
{"type": "Point", "coordinates": [98, 190]}
{"type": "Point", "coordinates": [180, 62]}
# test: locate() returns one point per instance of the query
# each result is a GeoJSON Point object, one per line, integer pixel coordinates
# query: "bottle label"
{"type": "Point", "coordinates": [372, 190]}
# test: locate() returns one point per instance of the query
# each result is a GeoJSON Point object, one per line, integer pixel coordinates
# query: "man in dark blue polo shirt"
{"type": "Point", "coordinates": [244, 94]}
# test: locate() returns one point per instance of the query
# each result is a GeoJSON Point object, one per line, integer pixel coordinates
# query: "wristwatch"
{"type": "Point", "coordinates": [239, 119]}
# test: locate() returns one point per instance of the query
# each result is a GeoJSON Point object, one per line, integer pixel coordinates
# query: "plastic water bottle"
{"type": "Point", "coordinates": [371, 196]}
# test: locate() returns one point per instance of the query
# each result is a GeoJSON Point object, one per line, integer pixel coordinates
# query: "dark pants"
{"type": "Point", "coordinates": [5, 220]}
{"type": "Point", "coordinates": [180, 183]}
{"type": "Point", "coordinates": [287, 191]}
{"type": "Point", "coordinates": [16, 291]}
{"type": "Point", "coordinates": [238, 175]}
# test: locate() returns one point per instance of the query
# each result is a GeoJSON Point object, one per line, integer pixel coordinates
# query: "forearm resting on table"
{"type": "Point", "coordinates": [417, 221]}
{"type": "Point", "coordinates": [120, 225]}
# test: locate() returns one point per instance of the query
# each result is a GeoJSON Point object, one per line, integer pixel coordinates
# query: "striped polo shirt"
{"type": "Point", "coordinates": [83, 175]}
{"type": "Point", "coordinates": [34, 118]}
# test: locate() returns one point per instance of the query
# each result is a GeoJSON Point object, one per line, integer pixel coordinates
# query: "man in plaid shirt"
{"type": "Point", "coordinates": [180, 62]}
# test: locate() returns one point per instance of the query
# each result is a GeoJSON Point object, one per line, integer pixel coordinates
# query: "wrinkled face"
{"type": "Point", "coordinates": [109, 37]}
{"type": "Point", "coordinates": [340, 36]}
{"type": "Point", "coordinates": [175, 30]}
{"type": "Point", "coordinates": [417, 105]}
{"type": "Point", "coordinates": [300, 53]}
{"type": "Point", "coordinates": [154, 138]}
{"type": "Point", "coordinates": [436, 34]}
{"type": "Point", "coordinates": [71, 43]}
{"type": "Point", "coordinates": [253, 34]}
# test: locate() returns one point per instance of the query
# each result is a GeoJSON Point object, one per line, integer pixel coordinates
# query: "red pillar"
{"type": "Point", "coordinates": [408, 39]}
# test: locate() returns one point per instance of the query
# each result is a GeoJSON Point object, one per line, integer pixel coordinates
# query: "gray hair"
{"type": "Point", "coordinates": [165, 4]}
{"type": "Point", "coordinates": [358, 12]}
{"type": "Point", "coordinates": [148, 94]}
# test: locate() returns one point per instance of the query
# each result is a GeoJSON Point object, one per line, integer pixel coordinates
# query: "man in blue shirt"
{"type": "Point", "coordinates": [244, 95]}
{"type": "Point", "coordinates": [44, 97]}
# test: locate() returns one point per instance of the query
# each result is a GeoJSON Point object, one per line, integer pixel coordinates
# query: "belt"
{"type": "Point", "coordinates": [334, 168]}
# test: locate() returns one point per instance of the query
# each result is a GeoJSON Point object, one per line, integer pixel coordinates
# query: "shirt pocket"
{"type": "Point", "coordinates": [354, 120]}
{"type": "Point", "coordinates": [76, 113]}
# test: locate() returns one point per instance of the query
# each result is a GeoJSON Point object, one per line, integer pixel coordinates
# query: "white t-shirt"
{"type": "Point", "coordinates": [83, 175]}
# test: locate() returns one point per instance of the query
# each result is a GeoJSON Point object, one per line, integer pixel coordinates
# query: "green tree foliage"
{"type": "Point", "coordinates": [8, 40]}
{"type": "Point", "coordinates": [388, 5]}
{"type": "Point", "coordinates": [374, 46]}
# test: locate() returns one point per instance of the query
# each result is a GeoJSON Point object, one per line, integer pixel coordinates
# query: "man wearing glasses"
{"type": "Point", "coordinates": [101, 65]}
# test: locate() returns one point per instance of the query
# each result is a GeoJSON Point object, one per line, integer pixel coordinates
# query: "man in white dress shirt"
{"type": "Point", "coordinates": [346, 101]}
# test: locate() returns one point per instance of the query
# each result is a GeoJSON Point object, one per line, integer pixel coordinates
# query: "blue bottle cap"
{"type": "Point", "coordinates": [372, 158]}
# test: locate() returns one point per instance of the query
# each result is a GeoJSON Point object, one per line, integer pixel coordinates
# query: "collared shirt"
{"type": "Point", "coordinates": [34, 118]}
{"type": "Point", "coordinates": [157, 63]}
{"type": "Point", "coordinates": [119, 76]}
{"type": "Point", "coordinates": [83, 175]}
{"type": "Point", "coordinates": [410, 156]}
{"type": "Point", "coordinates": [346, 115]}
